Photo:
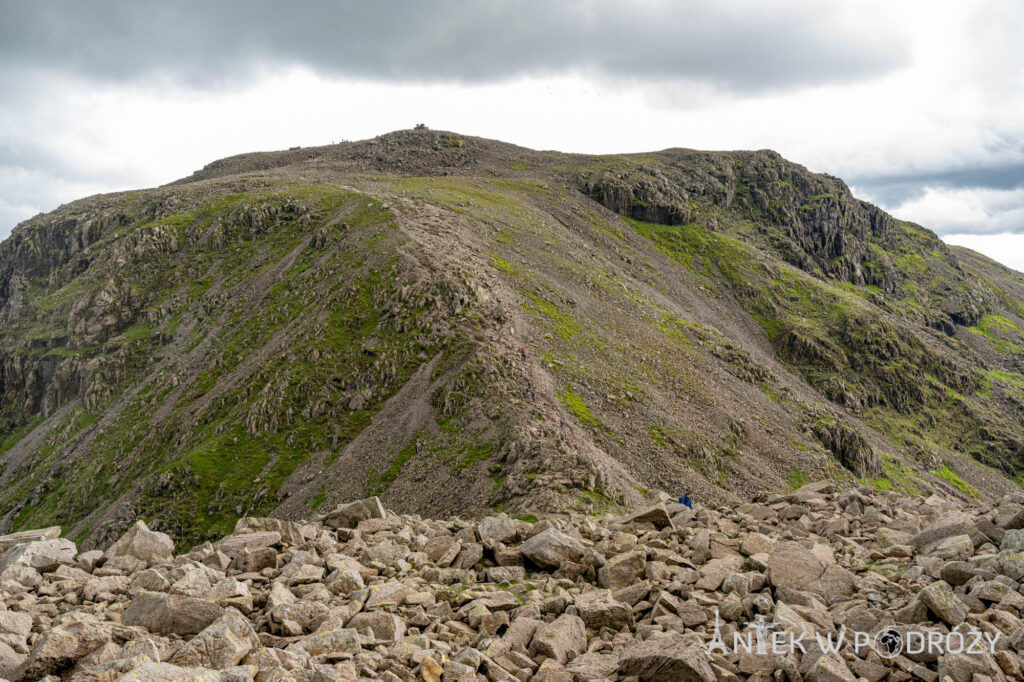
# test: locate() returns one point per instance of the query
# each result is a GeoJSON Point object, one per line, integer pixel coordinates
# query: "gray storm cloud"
{"type": "Point", "coordinates": [896, 189]}
{"type": "Point", "coordinates": [738, 46]}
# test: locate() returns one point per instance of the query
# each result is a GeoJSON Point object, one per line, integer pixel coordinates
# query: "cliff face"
{"type": "Point", "coordinates": [282, 331]}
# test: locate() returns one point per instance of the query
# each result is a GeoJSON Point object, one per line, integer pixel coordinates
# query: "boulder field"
{"type": "Point", "coordinates": [662, 594]}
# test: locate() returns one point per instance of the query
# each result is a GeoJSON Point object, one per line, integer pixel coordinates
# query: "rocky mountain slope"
{"type": "Point", "coordinates": [282, 331]}
{"type": "Point", "coordinates": [849, 584]}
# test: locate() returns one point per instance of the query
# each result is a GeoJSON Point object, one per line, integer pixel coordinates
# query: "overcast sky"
{"type": "Point", "coordinates": [918, 105]}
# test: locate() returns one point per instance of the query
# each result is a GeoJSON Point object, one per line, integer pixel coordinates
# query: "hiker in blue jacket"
{"type": "Point", "coordinates": [685, 499]}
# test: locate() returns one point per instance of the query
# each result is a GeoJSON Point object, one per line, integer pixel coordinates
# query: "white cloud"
{"type": "Point", "coordinates": [12, 214]}
{"type": "Point", "coordinates": [966, 210]}
{"type": "Point", "coordinates": [1007, 249]}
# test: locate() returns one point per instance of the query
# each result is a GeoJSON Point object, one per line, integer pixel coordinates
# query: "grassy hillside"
{"type": "Point", "coordinates": [282, 331]}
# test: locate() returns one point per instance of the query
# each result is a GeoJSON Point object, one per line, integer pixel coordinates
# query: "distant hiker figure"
{"type": "Point", "coordinates": [533, 396]}
{"type": "Point", "coordinates": [522, 351]}
{"type": "Point", "coordinates": [685, 499]}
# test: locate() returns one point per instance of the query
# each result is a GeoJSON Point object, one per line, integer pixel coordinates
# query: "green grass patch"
{"type": "Point", "coordinates": [381, 482]}
{"type": "Point", "coordinates": [574, 403]}
{"type": "Point", "coordinates": [996, 328]}
{"type": "Point", "coordinates": [503, 265]}
{"type": "Point", "coordinates": [12, 438]}
{"type": "Point", "coordinates": [951, 477]}
{"type": "Point", "coordinates": [139, 332]}
{"type": "Point", "coordinates": [796, 478]}
{"type": "Point", "coordinates": [896, 477]}
{"type": "Point", "coordinates": [565, 327]}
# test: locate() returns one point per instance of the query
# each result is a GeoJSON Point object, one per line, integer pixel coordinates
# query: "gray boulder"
{"type": "Point", "coordinates": [42, 555]}
{"type": "Point", "coordinates": [167, 614]}
{"type": "Point", "coordinates": [943, 602]}
{"type": "Point", "coordinates": [622, 570]}
{"type": "Point", "coordinates": [656, 515]}
{"type": "Point", "coordinates": [566, 635]}
{"type": "Point", "coordinates": [795, 567]}
{"type": "Point", "coordinates": [552, 548]}
{"type": "Point", "coordinates": [349, 515]}
{"type": "Point", "coordinates": [666, 659]}
{"type": "Point", "coordinates": [143, 544]}
{"type": "Point", "coordinates": [222, 644]}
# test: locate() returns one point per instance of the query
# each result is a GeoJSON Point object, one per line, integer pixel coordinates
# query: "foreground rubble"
{"type": "Point", "coordinates": [366, 594]}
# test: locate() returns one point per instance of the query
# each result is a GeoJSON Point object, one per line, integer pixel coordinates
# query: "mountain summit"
{"type": "Point", "coordinates": [459, 325]}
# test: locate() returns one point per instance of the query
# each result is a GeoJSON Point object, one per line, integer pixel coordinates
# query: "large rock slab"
{"type": "Point", "coordinates": [622, 570]}
{"type": "Point", "coordinates": [714, 573]}
{"type": "Point", "coordinates": [59, 648]}
{"type": "Point", "coordinates": [233, 545]}
{"type": "Point", "coordinates": [949, 524]}
{"type": "Point", "coordinates": [291, 532]}
{"type": "Point", "coordinates": [666, 659]}
{"type": "Point", "coordinates": [552, 548]}
{"type": "Point", "coordinates": [331, 644]}
{"type": "Point", "coordinates": [349, 515]}
{"type": "Point", "coordinates": [793, 566]}
{"type": "Point", "coordinates": [598, 609]}
{"type": "Point", "coordinates": [499, 528]}
{"type": "Point", "coordinates": [222, 644]}
{"type": "Point", "coordinates": [168, 614]}
{"type": "Point", "coordinates": [593, 666]}
{"type": "Point", "coordinates": [143, 544]}
{"type": "Point", "coordinates": [144, 668]}
{"type": "Point", "coordinates": [657, 515]}
{"type": "Point", "coordinates": [385, 626]}
{"type": "Point", "coordinates": [943, 602]}
{"type": "Point", "coordinates": [42, 555]}
{"type": "Point", "coordinates": [11, 539]}
{"type": "Point", "coordinates": [566, 635]}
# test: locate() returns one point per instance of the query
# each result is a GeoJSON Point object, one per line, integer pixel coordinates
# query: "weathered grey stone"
{"type": "Point", "coordinates": [598, 609]}
{"type": "Point", "coordinates": [233, 545]}
{"type": "Point", "coordinates": [349, 515]}
{"type": "Point", "coordinates": [954, 548]}
{"type": "Point", "coordinates": [830, 668]}
{"type": "Point", "coordinates": [949, 524]}
{"type": "Point", "coordinates": [21, 537]}
{"type": "Point", "coordinates": [385, 626]}
{"type": "Point", "coordinates": [666, 659]}
{"type": "Point", "coordinates": [593, 666]}
{"type": "Point", "coordinates": [499, 528]}
{"type": "Point", "coordinates": [656, 515]}
{"type": "Point", "coordinates": [622, 570]}
{"type": "Point", "coordinates": [170, 613]}
{"type": "Point", "coordinates": [222, 644]}
{"type": "Point", "coordinates": [793, 566]}
{"type": "Point", "coordinates": [714, 573]}
{"type": "Point", "coordinates": [1013, 540]}
{"type": "Point", "coordinates": [565, 636]}
{"type": "Point", "coordinates": [143, 544]}
{"type": "Point", "coordinates": [551, 548]}
{"type": "Point", "coordinates": [956, 572]}
{"type": "Point", "coordinates": [42, 555]}
{"type": "Point", "coordinates": [59, 648]}
{"type": "Point", "coordinates": [943, 602]}
{"type": "Point", "coordinates": [756, 543]}
{"type": "Point", "coordinates": [332, 644]}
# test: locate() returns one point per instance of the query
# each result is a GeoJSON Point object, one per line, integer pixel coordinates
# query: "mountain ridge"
{"type": "Point", "coordinates": [284, 330]}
